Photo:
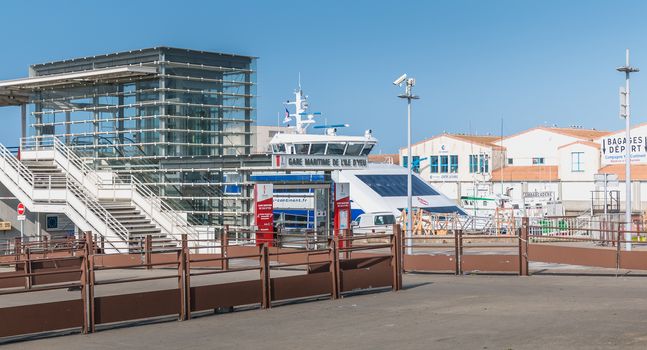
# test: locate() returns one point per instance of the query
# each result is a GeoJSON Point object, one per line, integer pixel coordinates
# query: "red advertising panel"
{"type": "Point", "coordinates": [342, 208]}
{"type": "Point", "coordinates": [264, 213]}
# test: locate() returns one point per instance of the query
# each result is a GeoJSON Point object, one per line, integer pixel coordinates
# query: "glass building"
{"type": "Point", "coordinates": [179, 120]}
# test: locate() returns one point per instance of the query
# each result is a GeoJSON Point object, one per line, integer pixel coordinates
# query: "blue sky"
{"type": "Point", "coordinates": [528, 62]}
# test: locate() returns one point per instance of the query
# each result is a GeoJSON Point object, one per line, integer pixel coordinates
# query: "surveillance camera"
{"type": "Point", "coordinates": [400, 80]}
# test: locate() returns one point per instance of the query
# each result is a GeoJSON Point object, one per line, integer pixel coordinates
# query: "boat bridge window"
{"type": "Point", "coordinates": [318, 148]}
{"type": "Point", "coordinates": [302, 148]}
{"type": "Point", "coordinates": [367, 149]}
{"type": "Point", "coordinates": [396, 185]}
{"type": "Point", "coordinates": [336, 148]}
{"type": "Point", "coordinates": [354, 149]}
{"type": "Point", "coordinates": [278, 148]}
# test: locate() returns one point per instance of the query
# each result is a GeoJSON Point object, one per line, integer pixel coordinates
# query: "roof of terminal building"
{"type": "Point", "coordinates": [526, 173]}
{"type": "Point", "coordinates": [638, 171]}
{"type": "Point", "coordinates": [581, 142]}
{"type": "Point", "coordinates": [143, 50]}
{"type": "Point", "coordinates": [482, 140]}
{"type": "Point", "coordinates": [576, 132]}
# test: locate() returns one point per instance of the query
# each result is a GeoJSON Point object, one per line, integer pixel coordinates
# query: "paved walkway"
{"type": "Point", "coordinates": [434, 312]}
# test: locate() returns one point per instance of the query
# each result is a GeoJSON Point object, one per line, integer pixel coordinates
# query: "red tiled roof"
{"type": "Point", "coordinates": [526, 173]}
{"type": "Point", "coordinates": [638, 171]}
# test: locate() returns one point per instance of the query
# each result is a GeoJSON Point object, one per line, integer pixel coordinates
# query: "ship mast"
{"type": "Point", "coordinates": [301, 117]}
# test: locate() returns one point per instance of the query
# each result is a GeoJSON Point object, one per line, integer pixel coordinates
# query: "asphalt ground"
{"type": "Point", "coordinates": [551, 310]}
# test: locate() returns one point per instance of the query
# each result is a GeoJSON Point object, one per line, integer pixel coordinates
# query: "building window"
{"type": "Point", "coordinates": [433, 164]}
{"type": "Point", "coordinates": [444, 164]}
{"type": "Point", "coordinates": [538, 161]}
{"type": "Point", "coordinates": [510, 161]}
{"type": "Point", "coordinates": [484, 166]}
{"type": "Point", "coordinates": [474, 165]}
{"type": "Point", "coordinates": [415, 164]}
{"type": "Point", "coordinates": [405, 161]}
{"type": "Point", "coordinates": [577, 161]}
{"type": "Point", "coordinates": [453, 164]}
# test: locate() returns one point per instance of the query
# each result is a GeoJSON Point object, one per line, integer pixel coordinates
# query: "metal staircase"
{"type": "Point", "coordinates": [107, 186]}
{"type": "Point", "coordinates": [52, 178]}
{"type": "Point", "coordinates": [43, 188]}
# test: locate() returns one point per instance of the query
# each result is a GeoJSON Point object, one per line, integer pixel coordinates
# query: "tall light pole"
{"type": "Point", "coordinates": [409, 83]}
{"type": "Point", "coordinates": [625, 112]}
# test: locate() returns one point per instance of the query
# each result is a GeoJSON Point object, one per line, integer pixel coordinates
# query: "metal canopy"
{"type": "Point", "coordinates": [16, 92]}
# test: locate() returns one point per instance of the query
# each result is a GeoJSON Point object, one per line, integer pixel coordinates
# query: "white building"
{"type": "Point", "coordinates": [560, 161]}
{"type": "Point", "coordinates": [454, 162]}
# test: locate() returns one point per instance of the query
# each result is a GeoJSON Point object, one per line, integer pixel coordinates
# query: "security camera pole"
{"type": "Point", "coordinates": [410, 82]}
{"type": "Point", "coordinates": [626, 113]}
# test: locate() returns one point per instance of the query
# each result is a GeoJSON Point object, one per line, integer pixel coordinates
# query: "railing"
{"type": "Point", "coordinates": [92, 204]}
{"type": "Point", "coordinates": [178, 222]}
{"type": "Point", "coordinates": [10, 160]}
{"type": "Point", "coordinates": [63, 182]}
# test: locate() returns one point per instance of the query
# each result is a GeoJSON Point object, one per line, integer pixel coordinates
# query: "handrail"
{"type": "Point", "coordinates": [97, 208]}
{"type": "Point", "coordinates": [17, 165]}
{"type": "Point", "coordinates": [70, 186]}
{"type": "Point", "coordinates": [177, 221]}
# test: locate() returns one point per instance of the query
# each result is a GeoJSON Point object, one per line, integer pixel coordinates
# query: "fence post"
{"type": "Point", "coordinates": [618, 242]}
{"type": "Point", "coordinates": [27, 268]}
{"type": "Point", "coordinates": [224, 245]}
{"type": "Point", "coordinates": [148, 247]}
{"type": "Point", "coordinates": [266, 301]}
{"type": "Point", "coordinates": [87, 285]}
{"type": "Point", "coordinates": [458, 251]}
{"type": "Point", "coordinates": [45, 246]}
{"type": "Point", "coordinates": [181, 279]}
{"type": "Point", "coordinates": [523, 248]}
{"type": "Point", "coordinates": [17, 246]}
{"type": "Point", "coordinates": [349, 243]}
{"type": "Point", "coordinates": [333, 258]}
{"type": "Point", "coordinates": [397, 232]}
{"type": "Point", "coordinates": [394, 262]}
{"type": "Point", "coordinates": [187, 276]}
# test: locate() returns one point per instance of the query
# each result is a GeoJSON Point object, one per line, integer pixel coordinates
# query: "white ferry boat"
{"type": "Point", "coordinates": [374, 188]}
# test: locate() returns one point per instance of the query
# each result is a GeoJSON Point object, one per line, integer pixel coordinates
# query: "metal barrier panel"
{"type": "Point", "coordinates": [362, 273]}
{"type": "Point", "coordinates": [43, 317]}
{"type": "Point", "coordinates": [292, 287]}
{"type": "Point", "coordinates": [490, 263]}
{"type": "Point", "coordinates": [225, 295]}
{"type": "Point", "coordinates": [636, 260]}
{"type": "Point", "coordinates": [597, 257]}
{"type": "Point", "coordinates": [125, 307]}
{"type": "Point", "coordinates": [12, 282]}
{"type": "Point", "coordinates": [428, 262]}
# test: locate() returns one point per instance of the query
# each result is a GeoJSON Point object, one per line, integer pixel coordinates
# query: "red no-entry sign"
{"type": "Point", "coordinates": [20, 209]}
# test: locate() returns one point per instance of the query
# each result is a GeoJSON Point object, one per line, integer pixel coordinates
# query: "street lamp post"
{"type": "Point", "coordinates": [409, 83]}
{"type": "Point", "coordinates": [626, 113]}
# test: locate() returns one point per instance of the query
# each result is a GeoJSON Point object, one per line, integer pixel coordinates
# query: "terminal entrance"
{"type": "Point", "coordinates": [301, 205]}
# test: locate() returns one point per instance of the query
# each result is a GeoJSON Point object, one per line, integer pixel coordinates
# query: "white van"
{"type": "Point", "coordinates": [378, 223]}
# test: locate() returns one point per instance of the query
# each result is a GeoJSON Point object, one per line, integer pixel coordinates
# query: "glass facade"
{"type": "Point", "coordinates": [198, 105]}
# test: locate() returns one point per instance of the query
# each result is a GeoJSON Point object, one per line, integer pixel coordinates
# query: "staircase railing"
{"type": "Point", "coordinates": [91, 203]}
{"type": "Point", "coordinates": [24, 174]}
{"type": "Point", "coordinates": [27, 180]}
{"type": "Point", "coordinates": [156, 205]}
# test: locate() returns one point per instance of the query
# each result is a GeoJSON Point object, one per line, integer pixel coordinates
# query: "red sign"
{"type": "Point", "coordinates": [264, 213]}
{"type": "Point", "coordinates": [20, 209]}
{"type": "Point", "coordinates": [342, 209]}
